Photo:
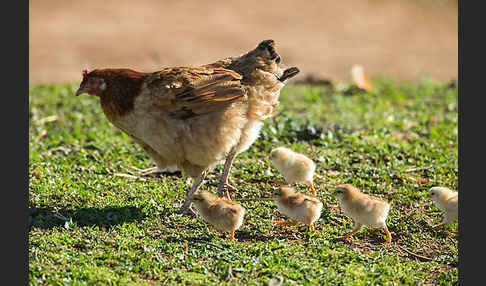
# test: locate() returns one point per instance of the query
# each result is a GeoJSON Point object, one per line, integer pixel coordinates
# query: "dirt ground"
{"type": "Point", "coordinates": [404, 39]}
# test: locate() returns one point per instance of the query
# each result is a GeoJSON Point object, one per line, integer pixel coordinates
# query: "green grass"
{"type": "Point", "coordinates": [122, 231]}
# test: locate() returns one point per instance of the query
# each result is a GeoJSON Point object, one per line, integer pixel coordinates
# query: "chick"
{"type": "Point", "coordinates": [297, 206]}
{"type": "Point", "coordinates": [221, 213]}
{"type": "Point", "coordinates": [294, 167]}
{"type": "Point", "coordinates": [445, 200]}
{"type": "Point", "coordinates": [363, 209]}
{"type": "Point", "coordinates": [360, 78]}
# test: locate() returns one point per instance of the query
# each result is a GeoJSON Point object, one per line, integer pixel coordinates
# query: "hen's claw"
{"type": "Point", "coordinates": [224, 189]}
{"type": "Point", "coordinates": [150, 171]}
{"type": "Point", "coordinates": [184, 210]}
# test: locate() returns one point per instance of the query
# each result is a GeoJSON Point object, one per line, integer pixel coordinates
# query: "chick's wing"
{"type": "Point", "coordinates": [186, 92]}
{"type": "Point", "coordinates": [225, 208]}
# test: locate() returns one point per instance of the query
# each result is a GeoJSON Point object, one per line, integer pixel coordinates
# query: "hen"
{"type": "Point", "coordinates": [193, 117]}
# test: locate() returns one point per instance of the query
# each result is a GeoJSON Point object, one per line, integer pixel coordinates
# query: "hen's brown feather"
{"type": "Point", "coordinates": [188, 92]}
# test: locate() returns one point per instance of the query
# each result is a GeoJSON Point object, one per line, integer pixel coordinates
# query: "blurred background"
{"type": "Point", "coordinates": [402, 39]}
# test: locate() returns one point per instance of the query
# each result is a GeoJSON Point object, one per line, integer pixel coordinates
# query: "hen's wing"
{"type": "Point", "coordinates": [187, 92]}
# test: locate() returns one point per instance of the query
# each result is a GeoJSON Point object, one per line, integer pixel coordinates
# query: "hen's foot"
{"type": "Point", "coordinates": [150, 171]}
{"type": "Point", "coordinates": [224, 189]}
{"type": "Point", "coordinates": [185, 209]}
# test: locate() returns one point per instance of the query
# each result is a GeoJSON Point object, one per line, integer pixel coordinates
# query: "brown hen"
{"type": "Point", "coordinates": [193, 117]}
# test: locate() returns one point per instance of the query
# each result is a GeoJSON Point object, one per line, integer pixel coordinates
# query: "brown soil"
{"type": "Point", "coordinates": [399, 38]}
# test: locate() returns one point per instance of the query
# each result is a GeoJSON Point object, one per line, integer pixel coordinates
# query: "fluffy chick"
{"type": "Point", "coordinates": [297, 206]}
{"type": "Point", "coordinates": [293, 166]}
{"type": "Point", "coordinates": [221, 213]}
{"type": "Point", "coordinates": [360, 78]}
{"type": "Point", "coordinates": [363, 209]}
{"type": "Point", "coordinates": [446, 200]}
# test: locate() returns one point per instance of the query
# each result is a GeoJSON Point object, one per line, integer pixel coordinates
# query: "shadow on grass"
{"type": "Point", "coordinates": [241, 236]}
{"type": "Point", "coordinates": [47, 218]}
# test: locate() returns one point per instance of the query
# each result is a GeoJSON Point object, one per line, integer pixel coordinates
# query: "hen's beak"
{"type": "Point", "coordinates": [80, 90]}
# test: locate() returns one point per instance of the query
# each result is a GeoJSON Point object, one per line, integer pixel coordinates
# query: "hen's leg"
{"type": "Point", "coordinates": [195, 185]}
{"type": "Point", "coordinates": [223, 183]}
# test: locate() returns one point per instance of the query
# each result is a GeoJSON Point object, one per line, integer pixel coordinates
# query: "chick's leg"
{"type": "Point", "coordinates": [187, 203]}
{"type": "Point", "coordinates": [233, 236]}
{"type": "Point", "coordinates": [311, 185]}
{"type": "Point", "coordinates": [355, 230]}
{"type": "Point", "coordinates": [284, 223]}
{"type": "Point", "coordinates": [388, 234]}
{"type": "Point", "coordinates": [223, 183]}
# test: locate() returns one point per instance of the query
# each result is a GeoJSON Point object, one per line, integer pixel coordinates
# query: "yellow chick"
{"type": "Point", "coordinates": [445, 200]}
{"type": "Point", "coordinates": [363, 209]}
{"type": "Point", "coordinates": [360, 78]}
{"type": "Point", "coordinates": [223, 214]}
{"type": "Point", "coordinates": [294, 167]}
{"type": "Point", "coordinates": [297, 206]}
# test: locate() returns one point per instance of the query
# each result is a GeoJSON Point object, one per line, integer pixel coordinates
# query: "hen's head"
{"type": "Point", "coordinates": [92, 84]}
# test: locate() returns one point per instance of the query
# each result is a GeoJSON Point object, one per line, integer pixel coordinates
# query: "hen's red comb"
{"type": "Point", "coordinates": [85, 73]}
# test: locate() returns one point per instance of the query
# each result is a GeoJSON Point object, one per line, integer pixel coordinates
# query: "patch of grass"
{"type": "Point", "coordinates": [90, 226]}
